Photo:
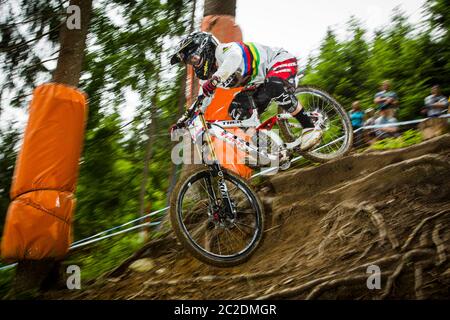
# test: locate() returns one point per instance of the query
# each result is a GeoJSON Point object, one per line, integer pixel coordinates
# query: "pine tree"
{"type": "Point", "coordinates": [438, 44]}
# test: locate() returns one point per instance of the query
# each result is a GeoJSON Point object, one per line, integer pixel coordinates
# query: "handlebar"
{"type": "Point", "coordinates": [190, 112]}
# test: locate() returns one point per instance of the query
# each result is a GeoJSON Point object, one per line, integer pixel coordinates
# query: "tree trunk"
{"type": "Point", "coordinates": [180, 110]}
{"type": "Point", "coordinates": [72, 46]}
{"type": "Point", "coordinates": [34, 275]}
{"type": "Point", "coordinates": [185, 90]}
{"type": "Point", "coordinates": [145, 170]}
{"type": "Point", "coordinates": [191, 81]}
{"type": "Point", "coordinates": [151, 129]}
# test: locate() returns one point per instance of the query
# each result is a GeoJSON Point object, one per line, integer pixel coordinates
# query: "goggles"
{"type": "Point", "coordinates": [192, 59]}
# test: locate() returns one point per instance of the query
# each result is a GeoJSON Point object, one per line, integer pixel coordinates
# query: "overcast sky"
{"type": "Point", "coordinates": [300, 25]}
{"type": "Point", "coordinates": [296, 25]}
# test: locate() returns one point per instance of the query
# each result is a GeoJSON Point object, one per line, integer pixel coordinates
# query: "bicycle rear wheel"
{"type": "Point", "coordinates": [321, 106]}
{"type": "Point", "coordinates": [198, 221]}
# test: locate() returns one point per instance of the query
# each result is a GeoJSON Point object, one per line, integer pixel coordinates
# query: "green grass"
{"type": "Point", "coordinates": [93, 262]}
{"type": "Point", "coordinates": [6, 277]}
{"type": "Point", "coordinates": [104, 256]}
{"type": "Point", "coordinates": [408, 138]}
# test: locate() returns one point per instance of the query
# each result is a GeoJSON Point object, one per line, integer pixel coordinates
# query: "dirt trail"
{"type": "Point", "coordinates": [327, 224]}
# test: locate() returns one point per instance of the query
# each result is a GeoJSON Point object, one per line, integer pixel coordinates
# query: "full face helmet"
{"type": "Point", "coordinates": [198, 49]}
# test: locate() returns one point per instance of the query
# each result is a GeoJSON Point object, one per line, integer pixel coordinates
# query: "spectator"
{"type": "Point", "coordinates": [386, 99]}
{"type": "Point", "coordinates": [435, 104]}
{"type": "Point", "coordinates": [356, 115]}
{"type": "Point", "coordinates": [370, 117]}
{"type": "Point", "coordinates": [386, 117]}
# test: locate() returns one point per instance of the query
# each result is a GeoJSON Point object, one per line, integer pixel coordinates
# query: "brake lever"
{"type": "Point", "coordinates": [199, 104]}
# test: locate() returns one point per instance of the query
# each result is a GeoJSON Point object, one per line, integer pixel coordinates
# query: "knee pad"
{"type": "Point", "coordinates": [241, 107]}
{"type": "Point", "coordinates": [282, 92]}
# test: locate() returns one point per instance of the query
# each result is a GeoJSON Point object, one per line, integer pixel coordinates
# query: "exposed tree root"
{"type": "Point", "coordinates": [440, 246]}
{"type": "Point", "coordinates": [407, 257]}
{"type": "Point", "coordinates": [290, 292]}
{"type": "Point", "coordinates": [365, 253]}
{"type": "Point", "coordinates": [418, 278]}
{"type": "Point", "coordinates": [212, 278]}
{"type": "Point", "coordinates": [296, 291]}
{"type": "Point", "coordinates": [336, 229]}
{"type": "Point", "coordinates": [378, 220]}
{"type": "Point", "coordinates": [330, 284]}
{"type": "Point", "coordinates": [419, 226]}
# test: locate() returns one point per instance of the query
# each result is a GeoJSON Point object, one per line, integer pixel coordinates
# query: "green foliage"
{"type": "Point", "coordinates": [104, 256]}
{"type": "Point", "coordinates": [120, 57]}
{"type": "Point", "coordinates": [20, 60]}
{"type": "Point", "coordinates": [127, 58]}
{"type": "Point", "coordinates": [408, 138]}
{"type": "Point", "coordinates": [353, 69]}
{"type": "Point", "coordinates": [8, 151]}
{"type": "Point", "coordinates": [6, 277]}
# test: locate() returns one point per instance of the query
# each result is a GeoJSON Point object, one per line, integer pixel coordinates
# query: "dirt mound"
{"type": "Point", "coordinates": [328, 224]}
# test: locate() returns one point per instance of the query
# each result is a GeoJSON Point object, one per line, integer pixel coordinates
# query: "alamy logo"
{"type": "Point", "coordinates": [73, 21]}
{"type": "Point", "coordinates": [374, 280]}
{"type": "Point", "coordinates": [74, 279]}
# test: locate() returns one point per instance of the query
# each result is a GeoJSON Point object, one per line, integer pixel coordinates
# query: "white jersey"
{"type": "Point", "coordinates": [246, 63]}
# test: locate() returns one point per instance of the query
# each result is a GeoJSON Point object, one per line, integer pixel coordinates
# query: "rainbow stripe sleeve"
{"type": "Point", "coordinates": [251, 59]}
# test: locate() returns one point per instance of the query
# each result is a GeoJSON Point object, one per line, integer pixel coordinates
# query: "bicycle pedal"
{"type": "Point", "coordinates": [285, 160]}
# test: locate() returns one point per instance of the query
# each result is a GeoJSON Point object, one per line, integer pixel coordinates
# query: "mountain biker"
{"type": "Point", "coordinates": [272, 70]}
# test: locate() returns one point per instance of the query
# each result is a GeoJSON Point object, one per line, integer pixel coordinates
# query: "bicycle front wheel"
{"type": "Point", "coordinates": [198, 219]}
{"type": "Point", "coordinates": [325, 111]}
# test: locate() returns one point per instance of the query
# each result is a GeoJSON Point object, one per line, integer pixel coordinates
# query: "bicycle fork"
{"type": "Point", "coordinates": [217, 172]}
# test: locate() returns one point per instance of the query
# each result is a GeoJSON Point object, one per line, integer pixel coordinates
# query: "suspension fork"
{"type": "Point", "coordinates": [217, 172]}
